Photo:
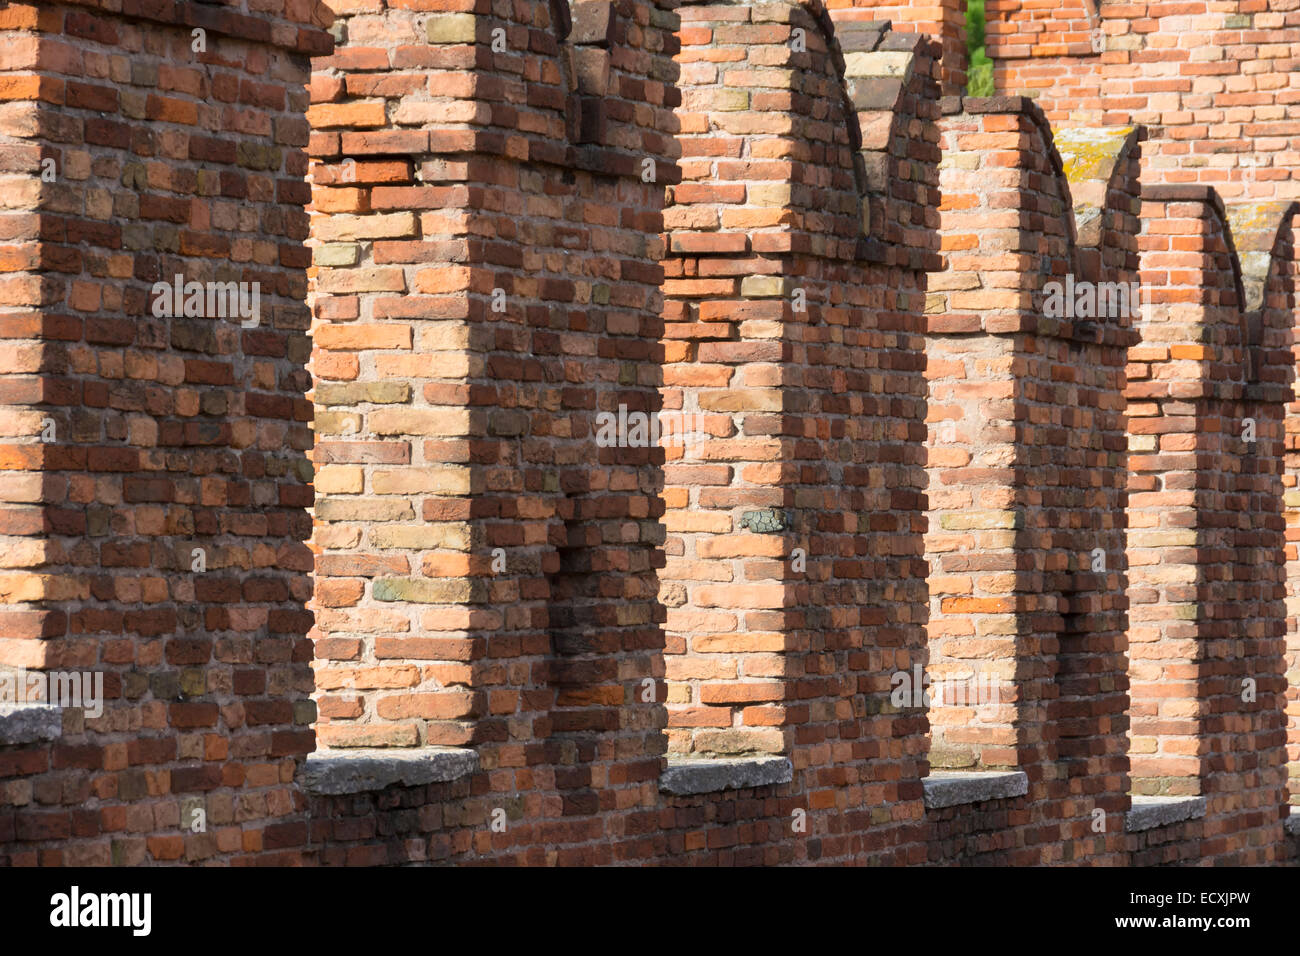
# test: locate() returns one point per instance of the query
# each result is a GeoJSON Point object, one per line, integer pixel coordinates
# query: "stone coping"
{"type": "Point", "coordinates": [365, 769]}
{"type": "Point", "coordinates": [950, 789]}
{"type": "Point", "coordinates": [29, 723]}
{"type": "Point", "coordinates": [688, 775]}
{"type": "Point", "coordinates": [1151, 812]}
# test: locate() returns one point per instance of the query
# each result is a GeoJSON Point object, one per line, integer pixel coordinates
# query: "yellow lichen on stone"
{"type": "Point", "coordinates": [1090, 154]}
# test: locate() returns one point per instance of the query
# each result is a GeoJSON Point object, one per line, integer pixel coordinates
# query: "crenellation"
{"type": "Point", "coordinates": [624, 432]}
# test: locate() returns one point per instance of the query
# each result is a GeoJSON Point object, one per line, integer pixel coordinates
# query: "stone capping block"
{"type": "Point", "coordinates": [1150, 812]}
{"type": "Point", "coordinates": [997, 104]}
{"type": "Point", "coordinates": [956, 788]}
{"type": "Point", "coordinates": [687, 775]}
{"type": "Point", "coordinates": [334, 772]}
{"type": "Point", "coordinates": [855, 37]}
{"type": "Point", "coordinates": [592, 68]}
{"type": "Point", "coordinates": [910, 42]}
{"type": "Point", "coordinates": [452, 28]}
{"type": "Point", "coordinates": [891, 63]}
{"type": "Point", "coordinates": [1254, 227]}
{"type": "Point", "coordinates": [29, 723]}
{"type": "Point", "coordinates": [593, 23]}
{"type": "Point", "coordinates": [870, 94]}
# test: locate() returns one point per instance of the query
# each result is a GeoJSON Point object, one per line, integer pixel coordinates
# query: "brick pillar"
{"type": "Point", "coordinates": [798, 242]}
{"type": "Point", "coordinates": [487, 239]}
{"type": "Point", "coordinates": [394, 420]}
{"type": "Point", "coordinates": [1264, 237]}
{"type": "Point", "coordinates": [1283, 300]}
{"type": "Point", "coordinates": [155, 479]}
{"type": "Point", "coordinates": [979, 297]}
{"type": "Point", "coordinates": [1102, 170]}
{"type": "Point", "coordinates": [1186, 377]}
{"type": "Point", "coordinates": [1205, 407]}
{"type": "Point", "coordinates": [1190, 329]}
{"type": "Point", "coordinates": [1026, 475]}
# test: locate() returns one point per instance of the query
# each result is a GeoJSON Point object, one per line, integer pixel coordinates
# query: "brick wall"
{"type": "Point", "coordinates": [522, 221]}
{"type": "Point", "coordinates": [1211, 84]}
{"type": "Point", "coordinates": [945, 20]}
{"type": "Point", "coordinates": [1023, 29]}
{"type": "Point", "coordinates": [137, 443]}
{"type": "Point", "coordinates": [1211, 81]}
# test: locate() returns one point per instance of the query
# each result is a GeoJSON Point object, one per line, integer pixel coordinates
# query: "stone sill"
{"type": "Point", "coordinates": [366, 769]}
{"type": "Point", "coordinates": [30, 723]}
{"type": "Point", "coordinates": [688, 775]}
{"type": "Point", "coordinates": [1292, 823]}
{"type": "Point", "coordinates": [957, 788]}
{"type": "Point", "coordinates": [1151, 812]}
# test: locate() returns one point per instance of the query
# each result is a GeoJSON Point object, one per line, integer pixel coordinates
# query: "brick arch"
{"type": "Point", "coordinates": [1224, 296]}
{"type": "Point", "coordinates": [875, 85]}
{"type": "Point", "coordinates": [874, 65]}
{"type": "Point", "coordinates": [944, 20]}
{"type": "Point", "coordinates": [1077, 194]}
{"type": "Point", "coordinates": [1199, 282]}
{"type": "Point", "coordinates": [852, 121]}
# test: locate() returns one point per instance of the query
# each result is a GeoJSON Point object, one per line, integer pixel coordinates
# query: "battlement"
{"type": "Point", "coordinates": [624, 432]}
